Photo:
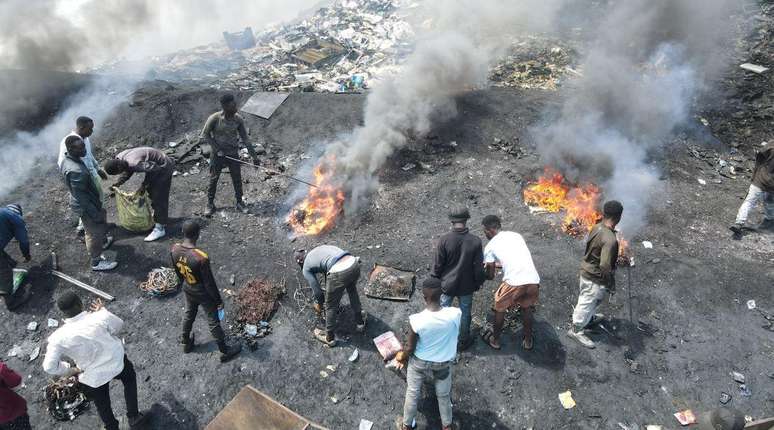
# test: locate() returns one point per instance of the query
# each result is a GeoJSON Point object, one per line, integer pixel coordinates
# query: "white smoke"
{"type": "Point", "coordinates": [648, 62]}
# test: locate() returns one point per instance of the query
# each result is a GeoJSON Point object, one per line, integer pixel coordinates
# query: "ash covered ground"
{"type": "Point", "coordinates": [691, 322]}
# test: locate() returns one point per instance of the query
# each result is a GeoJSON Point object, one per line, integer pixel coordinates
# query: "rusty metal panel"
{"type": "Point", "coordinates": [251, 409]}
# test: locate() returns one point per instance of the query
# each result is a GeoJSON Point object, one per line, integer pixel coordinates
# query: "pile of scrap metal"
{"type": "Point", "coordinates": [389, 283]}
{"type": "Point", "coordinates": [64, 400]}
{"type": "Point", "coordinates": [161, 282]}
{"type": "Point", "coordinates": [256, 302]}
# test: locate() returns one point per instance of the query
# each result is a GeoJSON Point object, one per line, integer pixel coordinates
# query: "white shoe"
{"type": "Point", "coordinates": [581, 337]}
{"type": "Point", "coordinates": [104, 265]}
{"type": "Point", "coordinates": [157, 233]}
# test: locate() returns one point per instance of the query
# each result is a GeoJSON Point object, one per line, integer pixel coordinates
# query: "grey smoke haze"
{"type": "Point", "coordinates": [453, 56]}
{"type": "Point", "coordinates": [648, 61]}
{"type": "Point", "coordinates": [67, 35]}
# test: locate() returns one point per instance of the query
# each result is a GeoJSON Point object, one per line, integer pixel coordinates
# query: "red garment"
{"type": "Point", "coordinates": [12, 405]}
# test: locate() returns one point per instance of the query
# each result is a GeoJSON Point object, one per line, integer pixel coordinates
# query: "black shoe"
{"type": "Point", "coordinates": [209, 211]}
{"type": "Point", "coordinates": [242, 207]}
{"type": "Point", "coordinates": [139, 421]}
{"type": "Point", "coordinates": [17, 300]}
{"type": "Point", "coordinates": [737, 228]}
{"type": "Point", "coordinates": [188, 344]}
{"type": "Point", "coordinates": [230, 352]}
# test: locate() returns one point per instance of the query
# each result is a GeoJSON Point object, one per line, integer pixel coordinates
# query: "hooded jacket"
{"type": "Point", "coordinates": [763, 174]}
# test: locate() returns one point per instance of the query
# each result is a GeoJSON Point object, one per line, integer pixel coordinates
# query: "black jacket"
{"type": "Point", "coordinates": [459, 263]}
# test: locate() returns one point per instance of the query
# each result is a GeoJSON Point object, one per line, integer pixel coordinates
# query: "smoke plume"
{"type": "Point", "coordinates": [454, 56]}
{"type": "Point", "coordinates": [648, 61]}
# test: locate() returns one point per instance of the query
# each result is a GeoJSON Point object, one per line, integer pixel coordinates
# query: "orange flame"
{"type": "Point", "coordinates": [552, 194]}
{"type": "Point", "coordinates": [319, 209]}
{"type": "Point", "coordinates": [625, 257]}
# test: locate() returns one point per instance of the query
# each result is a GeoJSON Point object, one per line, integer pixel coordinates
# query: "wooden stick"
{"type": "Point", "coordinates": [83, 285]}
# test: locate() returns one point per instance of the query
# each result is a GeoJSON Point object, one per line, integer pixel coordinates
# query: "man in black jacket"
{"type": "Point", "coordinates": [86, 202]}
{"type": "Point", "coordinates": [193, 267]}
{"type": "Point", "coordinates": [459, 264]}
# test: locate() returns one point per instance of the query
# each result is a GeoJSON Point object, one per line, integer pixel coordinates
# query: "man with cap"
{"type": "Point", "coordinates": [225, 131]}
{"type": "Point", "coordinates": [89, 340]}
{"type": "Point", "coordinates": [12, 226]}
{"type": "Point", "coordinates": [597, 273]}
{"type": "Point", "coordinates": [521, 283]}
{"type": "Point", "coordinates": [86, 202]}
{"type": "Point", "coordinates": [761, 189]}
{"type": "Point", "coordinates": [429, 354]}
{"type": "Point", "coordinates": [459, 264]}
{"type": "Point", "coordinates": [157, 169]}
{"type": "Point", "coordinates": [340, 271]}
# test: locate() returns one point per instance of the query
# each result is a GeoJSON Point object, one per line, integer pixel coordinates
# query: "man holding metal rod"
{"type": "Point", "coordinates": [224, 131]}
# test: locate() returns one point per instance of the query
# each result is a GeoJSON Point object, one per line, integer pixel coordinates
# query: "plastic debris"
{"type": "Point", "coordinates": [754, 68]}
{"type": "Point", "coordinates": [16, 350]}
{"type": "Point", "coordinates": [35, 353]}
{"type": "Point", "coordinates": [251, 330]}
{"type": "Point", "coordinates": [647, 244]}
{"type": "Point", "coordinates": [652, 427]}
{"type": "Point", "coordinates": [334, 400]}
{"type": "Point", "coordinates": [331, 367]}
{"type": "Point", "coordinates": [744, 390]}
{"type": "Point", "coordinates": [52, 323]}
{"type": "Point", "coordinates": [701, 181]}
{"type": "Point", "coordinates": [365, 425]}
{"type": "Point", "coordinates": [725, 398]}
{"type": "Point", "coordinates": [388, 345]}
{"type": "Point", "coordinates": [751, 304]}
{"type": "Point", "coordinates": [323, 374]}
{"type": "Point", "coordinates": [686, 417]}
{"type": "Point", "coordinates": [32, 326]}
{"type": "Point", "coordinates": [738, 377]}
{"type": "Point", "coordinates": [566, 399]}
{"type": "Point", "coordinates": [353, 357]}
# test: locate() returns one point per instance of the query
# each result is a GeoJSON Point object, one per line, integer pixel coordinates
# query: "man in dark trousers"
{"type": "Point", "coordinates": [86, 202]}
{"type": "Point", "coordinates": [597, 273]}
{"type": "Point", "coordinates": [224, 131]}
{"type": "Point", "coordinates": [341, 271]}
{"type": "Point", "coordinates": [12, 226]}
{"type": "Point", "coordinates": [193, 267]}
{"type": "Point", "coordinates": [158, 169]}
{"type": "Point", "coordinates": [761, 189]}
{"type": "Point", "coordinates": [90, 340]}
{"type": "Point", "coordinates": [459, 264]}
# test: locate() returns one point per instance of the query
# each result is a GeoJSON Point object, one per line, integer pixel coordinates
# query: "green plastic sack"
{"type": "Point", "coordinates": [19, 275]}
{"type": "Point", "coordinates": [134, 212]}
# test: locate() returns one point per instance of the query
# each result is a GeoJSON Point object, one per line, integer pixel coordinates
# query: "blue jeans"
{"type": "Point", "coordinates": [466, 305]}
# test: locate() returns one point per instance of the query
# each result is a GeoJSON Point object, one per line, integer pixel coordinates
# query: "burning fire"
{"type": "Point", "coordinates": [319, 209]}
{"type": "Point", "coordinates": [552, 194]}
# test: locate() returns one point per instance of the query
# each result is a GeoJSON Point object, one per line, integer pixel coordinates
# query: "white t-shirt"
{"type": "Point", "coordinates": [437, 333]}
{"type": "Point", "coordinates": [510, 250]}
{"type": "Point", "coordinates": [89, 160]}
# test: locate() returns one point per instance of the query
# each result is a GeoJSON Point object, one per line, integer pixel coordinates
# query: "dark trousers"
{"type": "Point", "coordinates": [191, 309]}
{"type": "Point", "coordinates": [101, 396]}
{"type": "Point", "coordinates": [7, 263]}
{"type": "Point", "coordinates": [335, 286]}
{"type": "Point", "coordinates": [158, 190]}
{"type": "Point", "coordinates": [19, 423]}
{"type": "Point", "coordinates": [234, 168]}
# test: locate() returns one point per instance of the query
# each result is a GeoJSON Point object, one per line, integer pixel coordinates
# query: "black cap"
{"type": "Point", "coordinates": [431, 282]}
{"type": "Point", "coordinates": [459, 214]}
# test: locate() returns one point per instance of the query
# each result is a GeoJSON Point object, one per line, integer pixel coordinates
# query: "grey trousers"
{"type": "Point", "coordinates": [440, 374]}
{"type": "Point", "coordinates": [336, 284]}
{"type": "Point", "coordinates": [754, 195]}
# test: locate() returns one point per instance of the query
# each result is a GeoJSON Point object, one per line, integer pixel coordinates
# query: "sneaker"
{"type": "Point", "coordinates": [737, 228]}
{"type": "Point", "coordinates": [322, 336]}
{"type": "Point", "coordinates": [108, 242]}
{"type": "Point", "coordinates": [581, 337]}
{"type": "Point", "coordinates": [360, 328]}
{"type": "Point", "coordinates": [209, 211]}
{"type": "Point", "coordinates": [104, 266]}
{"type": "Point", "coordinates": [230, 352]}
{"type": "Point", "coordinates": [242, 207]}
{"type": "Point", "coordinates": [157, 233]}
{"type": "Point", "coordinates": [188, 344]}
{"type": "Point", "coordinates": [139, 421]}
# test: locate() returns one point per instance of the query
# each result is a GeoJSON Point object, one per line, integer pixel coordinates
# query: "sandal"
{"type": "Point", "coordinates": [488, 338]}
{"type": "Point", "coordinates": [322, 336]}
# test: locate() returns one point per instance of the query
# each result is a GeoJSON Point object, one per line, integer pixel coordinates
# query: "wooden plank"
{"type": "Point", "coordinates": [251, 409]}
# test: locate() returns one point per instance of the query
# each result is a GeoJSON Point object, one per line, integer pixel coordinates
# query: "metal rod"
{"type": "Point", "coordinates": [82, 285]}
{"type": "Point", "coordinates": [270, 170]}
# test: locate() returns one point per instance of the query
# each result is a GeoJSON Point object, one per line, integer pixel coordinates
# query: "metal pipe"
{"type": "Point", "coordinates": [270, 170]}
{"type": "Point", "coordinates": [82, 285]}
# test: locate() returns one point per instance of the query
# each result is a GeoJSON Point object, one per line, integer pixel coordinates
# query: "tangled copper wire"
{"type": "Point", "coordinates": [64, 400]}
{"type": "Point", "coordinates": [257, 300]}
{"type": "Point", "coordinates": [161, 282]}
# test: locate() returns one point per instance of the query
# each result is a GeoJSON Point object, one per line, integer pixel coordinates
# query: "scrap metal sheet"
{"type": "Point", "coordinates": [264, 104]}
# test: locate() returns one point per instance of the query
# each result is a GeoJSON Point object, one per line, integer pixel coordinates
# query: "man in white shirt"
{"type": "Point", "coordinates": [84, 127]}
{"type": "Point", "coordinates": [88, 339]}
{"type": "Point", "coordinates": [521, 282]}
{"type": "Point", "coordinates": [430, 351]}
